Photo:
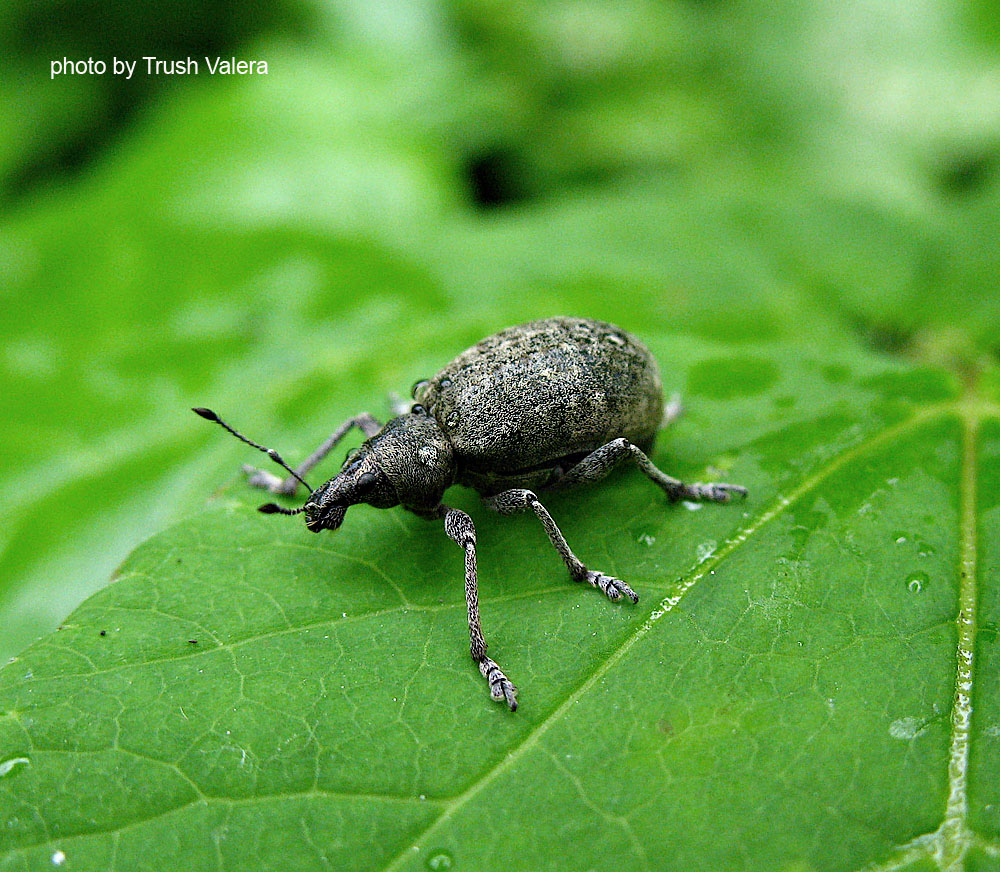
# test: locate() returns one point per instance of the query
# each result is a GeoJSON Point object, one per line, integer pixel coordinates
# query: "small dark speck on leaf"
{"type": "Point", "coordinates": [665, 727]}
{"type": "Point", "coordinates": [104, 632]}
{"type": "Point", "coordinates": [193, 641]}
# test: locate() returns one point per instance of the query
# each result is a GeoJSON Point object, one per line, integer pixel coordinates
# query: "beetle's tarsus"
{"type": "Point", "coordinates": [501, 688]}
{"type": "Point", "coordinates": [268, 481]}
{"type": "Point", "coordinates": [613, 588]}
{"type": "Point", "coordinates": [716, 492]}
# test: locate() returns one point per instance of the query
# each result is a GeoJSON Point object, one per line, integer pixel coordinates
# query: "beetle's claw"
{"type": "Point", "coordinates": [500, 686]}
{"type": "Point", "coordinates": [717, 492]}
{"type": "Point", "coordinates": [723, 493]}
{"type": "Point", "coordinates": [613, 588]}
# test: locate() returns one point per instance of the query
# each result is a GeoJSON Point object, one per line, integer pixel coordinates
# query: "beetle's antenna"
{"type": "Point", "coordinates": [273, 509]}
{"type": "Point", "coordinates": [209, 415]}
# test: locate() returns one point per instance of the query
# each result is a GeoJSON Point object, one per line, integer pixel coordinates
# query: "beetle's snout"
{"type": "Point", "coordinates": [328, 517]}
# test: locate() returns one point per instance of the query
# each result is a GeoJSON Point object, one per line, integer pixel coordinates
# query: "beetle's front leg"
{"type": "Point", "coordinates": [514, 500]}
{"type": "Point", "coordinates": [277, 485]}
{"type": "Point", "coordinates": [459, 528]}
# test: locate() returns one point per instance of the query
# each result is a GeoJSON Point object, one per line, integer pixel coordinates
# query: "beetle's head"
{"type": "Point", "coordinates": [360, 480]}
{"type": "Point", "coordinates": [409, 461]}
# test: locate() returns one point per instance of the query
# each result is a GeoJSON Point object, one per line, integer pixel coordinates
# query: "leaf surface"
{"type": "Point", "coordinates": [809, 681]}
{"type": "Point", "coordinates": [248, 693]}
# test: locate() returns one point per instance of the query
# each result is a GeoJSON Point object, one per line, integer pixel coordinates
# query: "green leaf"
{"type": "Point", "coordinates": [785, 695]}
{"type": "Point", "coordinates": [163, 279]}
{"type": "Point", "coordinates": [809, 680]}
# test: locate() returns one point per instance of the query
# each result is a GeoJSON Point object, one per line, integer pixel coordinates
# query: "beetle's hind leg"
{"type": "Point", "coordinates": [599, 463]}
{"type": "Point", "coordinates": [460, 529]}
{"type": "Point", "coordinates": [277, 485]}
{"type": "Point", "coordinates": [509, 501]}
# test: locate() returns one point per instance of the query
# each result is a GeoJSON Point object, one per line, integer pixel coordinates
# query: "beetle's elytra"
{"type": "Point", "coordinates": [549, 404]}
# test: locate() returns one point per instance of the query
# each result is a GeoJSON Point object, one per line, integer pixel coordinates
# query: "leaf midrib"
{"type": "Point", "coordinates": [948, 845]}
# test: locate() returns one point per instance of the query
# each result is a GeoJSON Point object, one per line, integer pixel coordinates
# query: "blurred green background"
{"type": "Point", "coordinates": [412, 175]}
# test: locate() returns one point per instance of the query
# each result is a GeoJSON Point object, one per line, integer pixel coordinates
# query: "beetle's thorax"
{"type": "Point", "coordinates": [416, 458]}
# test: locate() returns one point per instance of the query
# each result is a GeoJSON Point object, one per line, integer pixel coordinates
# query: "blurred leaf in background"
{"type": "Point", "coordinates": [813, 185]}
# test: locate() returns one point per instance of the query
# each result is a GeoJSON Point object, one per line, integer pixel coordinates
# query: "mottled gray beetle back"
{"type": "Point", "coordinates": [541, 395]}
{"type": "Point", "coordinates": [548, 405]}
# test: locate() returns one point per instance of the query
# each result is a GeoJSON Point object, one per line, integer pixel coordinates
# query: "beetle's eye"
{"type": "Point", "coordinates": [366, 481]}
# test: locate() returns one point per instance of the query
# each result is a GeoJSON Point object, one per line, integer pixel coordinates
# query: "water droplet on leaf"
{"type": "Point", "coordinates": [439, 861]}
{"type": "Point", "coordinates": [906, 728]}
{"type": "Point", "coordinates": [705, 550]}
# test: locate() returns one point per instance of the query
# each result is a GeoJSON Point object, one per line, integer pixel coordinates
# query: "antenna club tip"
{"type": "Point", "coordinates": [269, 509]}
{"type": "Point", "coordinates": [208, 414]}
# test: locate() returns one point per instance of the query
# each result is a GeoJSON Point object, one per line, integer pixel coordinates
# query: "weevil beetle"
{"type": "Point", "coordinates": [543, 406]}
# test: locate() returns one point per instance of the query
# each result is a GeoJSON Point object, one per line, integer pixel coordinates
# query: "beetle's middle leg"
{"type": "Point", "coordinates": [460, 528]}
{"type": "Point", "coordinates": [599, 463]}
{"type": "Point", "coordinates": [277, 485]}
{"type": "Point", "coordinates": [509, 501]}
